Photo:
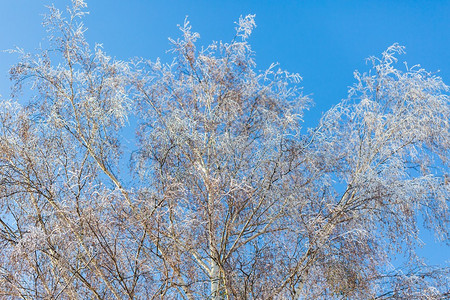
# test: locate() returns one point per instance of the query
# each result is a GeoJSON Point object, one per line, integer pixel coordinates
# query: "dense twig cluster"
{"type": "Point", "coordinates": [227, 196]}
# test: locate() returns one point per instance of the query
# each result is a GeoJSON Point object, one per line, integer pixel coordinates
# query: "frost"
{"type": "Point", "coordinates": [221, 193]}
{"type": "Point", "coordinates": [33, 240]}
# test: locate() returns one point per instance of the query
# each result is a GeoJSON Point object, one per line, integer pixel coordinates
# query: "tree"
{"type": "Point", "coordinates": [227, 196]}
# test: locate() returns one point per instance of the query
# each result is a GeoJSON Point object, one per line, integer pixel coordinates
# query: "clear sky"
{"type": "Point", "coordinates": [323, 41]}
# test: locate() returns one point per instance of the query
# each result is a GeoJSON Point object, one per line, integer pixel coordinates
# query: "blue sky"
{"type": "Point", "coordinates": [323, 41]}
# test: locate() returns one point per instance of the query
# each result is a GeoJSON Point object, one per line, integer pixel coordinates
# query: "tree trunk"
{"type": "Point", "coordinates": [214, 277]}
